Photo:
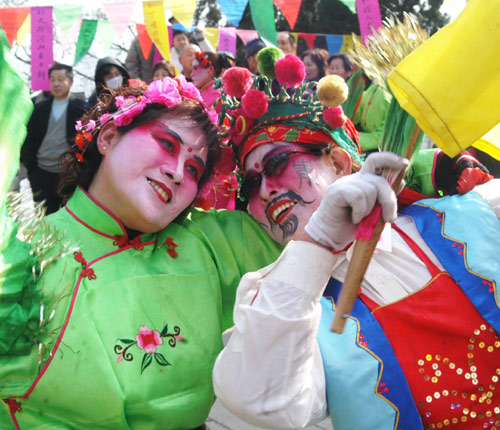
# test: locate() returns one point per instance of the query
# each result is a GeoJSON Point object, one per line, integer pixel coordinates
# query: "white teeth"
{"type": "Point", "coordinates": [159, 189]}
{"type": "Point", "coordinates": [280, 209]}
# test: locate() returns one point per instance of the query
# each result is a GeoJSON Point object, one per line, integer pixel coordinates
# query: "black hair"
{"type": "Point", "coordinates": [348, 64]}
{"type": "Point", "coordinates": [319, 58]}
{"type": "Point", "coordinates": [60, 66]}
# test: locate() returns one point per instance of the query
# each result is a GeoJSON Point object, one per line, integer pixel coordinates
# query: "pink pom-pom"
{"type": "Point", "coordinates": [237, 81]}
{"type": "Point", "coordinates": [290, 71]}
{"type": "Point", "coordinates": [254, 104]}
{"type": "Point", "coordinates": [334, 116]}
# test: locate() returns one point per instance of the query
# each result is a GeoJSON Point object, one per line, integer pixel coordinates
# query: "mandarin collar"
{"type": "Point", "coordinates": [87, 211]}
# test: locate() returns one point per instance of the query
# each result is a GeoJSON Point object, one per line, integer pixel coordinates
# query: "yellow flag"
{"type": "Point", "coordinates": [183, 11]}
{"type": "Point", "coordinates": [451, 83]}
{"type": "Point", "coordinates": [490, 142]}
{"type": "Point", "coordinates": [24, 30]}
{"type": "Point", "coordinates": [348, 45]}
{"type": "Point", "coordinates": [154, 18]}
{"type": "Point", "coordinates": [212, 35]}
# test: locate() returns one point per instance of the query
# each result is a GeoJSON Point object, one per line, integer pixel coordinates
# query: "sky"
{"type": "Point", "coordinates": [453, 7]}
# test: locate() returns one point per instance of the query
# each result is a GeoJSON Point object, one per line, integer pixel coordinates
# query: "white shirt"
{"type": "Point", "coordinates": [270, 373]}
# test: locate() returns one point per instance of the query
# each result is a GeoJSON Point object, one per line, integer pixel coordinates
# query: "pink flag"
{"type": "Point", "coordinates": [247, 35]}
{"type": "Point", "coordinates": [42, 38]}
{"type": "Point", "coordinates": [227, 39]}
{"type": "Point", "coordinates": [119, 14]}
{"type": "Point", "coordinates": [368, 16]}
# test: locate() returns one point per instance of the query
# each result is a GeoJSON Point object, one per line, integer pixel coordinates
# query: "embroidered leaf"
{"type": "Point", "coordinates": [146, 361]}
{"type": "Point", "coordinates": [161, 360]}
{"type": "Point", "coordinates": [292, 135]}
{"type": "Point", "coordinates": [164, 331]}
{"type": "Point", "coordinates": [262, 136]}
{"type": "Point", "coordinates": [127, 341]}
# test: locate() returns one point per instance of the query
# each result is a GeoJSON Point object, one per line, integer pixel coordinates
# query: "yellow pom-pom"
{"type": "Point", "coordinates": [332, 90]}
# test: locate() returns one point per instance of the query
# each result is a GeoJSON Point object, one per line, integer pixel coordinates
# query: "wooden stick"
{"type": "Point", "coordinates": [361, 256]}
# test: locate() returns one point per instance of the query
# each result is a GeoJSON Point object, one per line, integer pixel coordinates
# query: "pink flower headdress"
{"type": "Point", "coordinates": [168, 92]}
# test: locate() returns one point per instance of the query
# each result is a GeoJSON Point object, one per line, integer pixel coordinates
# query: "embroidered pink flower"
{"type": "Point", "coordinates": [164, 92]}
{"type": "Point", "coordinates": [78, 126]}
{"type": "Point", "coordinates": [119, 359]}
{"type": "Point", "coordinates": [148, 340]}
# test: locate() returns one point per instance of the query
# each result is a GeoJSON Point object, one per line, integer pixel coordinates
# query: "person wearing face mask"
{"type": "Point", "coordinates": [109, 73]}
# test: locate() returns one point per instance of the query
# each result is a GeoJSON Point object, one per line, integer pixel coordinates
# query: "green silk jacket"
{"type": "Point", "coordinates": [118, 333]}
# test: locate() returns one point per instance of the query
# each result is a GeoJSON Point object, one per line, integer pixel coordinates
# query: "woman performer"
{"type": "Point", "coordinates": [112, 310]}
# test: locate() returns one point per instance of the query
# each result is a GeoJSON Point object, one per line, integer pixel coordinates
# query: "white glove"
{"type": "Point", "coordinates": [349, 199]}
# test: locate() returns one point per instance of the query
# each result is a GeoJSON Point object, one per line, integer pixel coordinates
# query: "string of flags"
{"type": "Point", "coordinates": [19, 21]}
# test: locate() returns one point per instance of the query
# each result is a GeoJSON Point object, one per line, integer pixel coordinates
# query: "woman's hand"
{"type": "Point", "coordinates": [349, 199]}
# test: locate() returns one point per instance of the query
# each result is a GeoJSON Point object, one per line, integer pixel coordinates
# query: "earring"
{"type": "Point", "coordinates": [104, 148]}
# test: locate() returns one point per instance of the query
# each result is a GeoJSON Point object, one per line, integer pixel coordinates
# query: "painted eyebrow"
{"type": "Point", "coordinates": [200, 161]}
{"type": "Point", "coordinates": [269, 155]}
{"type": "Point", "coordinates": [169, 131]}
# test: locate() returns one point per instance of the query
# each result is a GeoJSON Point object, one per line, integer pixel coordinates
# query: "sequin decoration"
{"type": "Point", "coordinates": [475, 405]}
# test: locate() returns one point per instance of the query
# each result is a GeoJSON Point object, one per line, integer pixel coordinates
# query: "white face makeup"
{"type": "Point", "coordinates": [150, 175]}
{"type": "Point", "coordinates": [287, 185]}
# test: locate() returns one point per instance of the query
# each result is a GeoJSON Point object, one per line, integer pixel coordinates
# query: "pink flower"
{"type": "Point", "coordinates": [213, 116]}
{"type": "Point", "coordinates": [148, 339]}
{"type": "Point", "coordinates": [104, 117]}
{"type": "Point", "coordinates": [189, 89]}
{"type": "Point", "coordinates": [121, 101]}
{"type": "Point", "coordinates": [179, 338]}
{"type": "Point", "coordinates": [164, 92]}
{"type": "Point", "coordinates": [91, 125]}
{"type": "Point", "coordinates": [78, 125]}
{"type": "Point", "coordinates": [119, 359]}
{"type": "Point", "coordinates": [128, 114]}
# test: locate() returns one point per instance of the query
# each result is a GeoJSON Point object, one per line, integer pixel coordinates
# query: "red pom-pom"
{"type": "Point", "coordinates": [254, 104]}
{"type": "Point", "coordinates": [334, 116]}
{"type": "Point", "coordinates": [290, 71]}
{"type": "Point", "coordinates": [237, 81]}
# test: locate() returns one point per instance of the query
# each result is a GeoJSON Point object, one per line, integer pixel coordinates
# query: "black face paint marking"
{"type": "Point", "coordinates": [303, 168]}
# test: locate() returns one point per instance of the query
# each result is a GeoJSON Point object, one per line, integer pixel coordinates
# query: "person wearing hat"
{"type": "Point", "coordinates": [110, 73]}
{"type": "Point", "coordinates": [421, 346]}
{"type": "Point", "coordinates": [251, 50]}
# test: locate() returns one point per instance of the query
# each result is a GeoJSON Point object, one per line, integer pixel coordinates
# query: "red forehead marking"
{"type": "Point", "coordinates": [190, 149]}
{"type": "Point", "coordinates": [256, 165]}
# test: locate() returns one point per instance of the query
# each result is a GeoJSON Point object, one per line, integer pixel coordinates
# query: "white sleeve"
{"type": "Point", "coordinates": [270, 373]}
{"type": "Point", "coordinates": [490, 191]}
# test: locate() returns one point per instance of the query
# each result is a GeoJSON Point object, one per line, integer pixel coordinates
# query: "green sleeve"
{"type": "Point", "coordinates": [421, 173]}
{"type": "Point", "coordinates": [239, 245]}
{"type": "Point", "coordinates": [370, 117]}
{"type": "Point", "coordinates": [19, 303]}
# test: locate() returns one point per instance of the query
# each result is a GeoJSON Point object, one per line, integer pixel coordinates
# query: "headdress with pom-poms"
{"type": "Point", "coordinates": [271, 107]}
{"type": "Point", "coordinates": [168, 92]}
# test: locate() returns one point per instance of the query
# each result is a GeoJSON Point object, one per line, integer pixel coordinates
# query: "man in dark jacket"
{"type": "Point", "coordinates": [51, 130]}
